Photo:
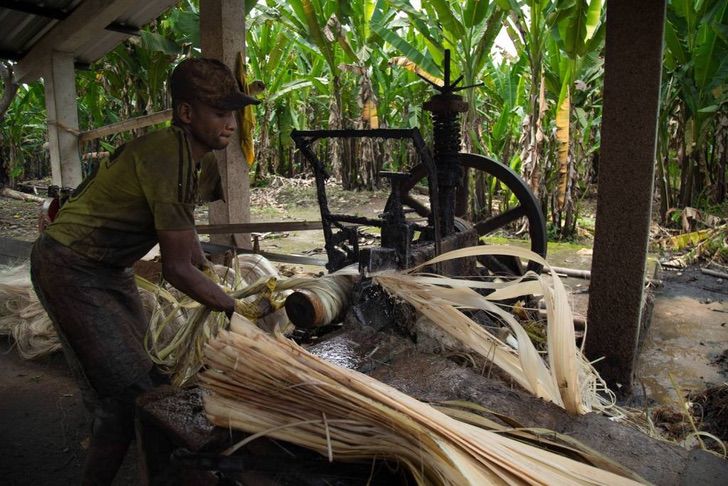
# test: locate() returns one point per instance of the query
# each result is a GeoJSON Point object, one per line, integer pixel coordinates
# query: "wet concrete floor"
{"type": "Point", "coordinates": [685, 347]}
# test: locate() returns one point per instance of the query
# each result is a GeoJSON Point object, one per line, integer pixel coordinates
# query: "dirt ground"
{"type": "Point", "coordinates": [44, 428]}
{"type": "Point", "coordinates": [19, 219]}
{"type": "Point", "coordinates": [43, 424]}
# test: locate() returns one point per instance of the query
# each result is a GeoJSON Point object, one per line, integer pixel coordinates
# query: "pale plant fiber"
{"type": "Point", "coordinates": [22, 316]}
{"type": "Point", "coordinates": [567, 380]}
{"type": "Point", "coordinates": [179, 327]}
{"type": "Point", "coordinates": [268, 385]}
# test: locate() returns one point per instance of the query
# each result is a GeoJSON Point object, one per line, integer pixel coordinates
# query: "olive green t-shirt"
{"type": "Point", "coordinates": [147, 185]}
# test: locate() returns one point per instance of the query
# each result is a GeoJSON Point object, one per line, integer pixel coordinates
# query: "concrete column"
{"type": "Point", "coordinates": [60, 93]}
{"type": "Point", "coordinates": [633, 65]}
{"type": "Point", "coordinates": [222, 36]}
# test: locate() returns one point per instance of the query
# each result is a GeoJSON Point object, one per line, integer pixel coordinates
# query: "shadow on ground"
{"type": "Point", "coordinates": [43, 424]}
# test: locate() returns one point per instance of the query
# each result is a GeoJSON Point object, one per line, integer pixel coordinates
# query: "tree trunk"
{"type": "Point", "coordinates": [568, 214]}
{"type": "Point", "coordinates": [10, 87]}
{"type": "Point", "coordinates": [684, 161]}
{"type": "Point", "coordinates": [533, 136]}
{"type": "Point", "coordinates": [664, 187]}
{"type": "Point", "coordinates": [335, 145]}
{"type": "Point", "coordinates": [721, 156]}
{"type": "Point", "coordinates": [264, 149]}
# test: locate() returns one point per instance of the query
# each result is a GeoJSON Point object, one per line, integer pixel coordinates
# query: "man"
{"type": "Point", "coordinates": [81, 265]}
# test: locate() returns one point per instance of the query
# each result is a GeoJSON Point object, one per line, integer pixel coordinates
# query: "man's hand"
{"type": "Point", "coordinates": [252, 310]}
{"type": "Point", "coordinates": [181, 255]}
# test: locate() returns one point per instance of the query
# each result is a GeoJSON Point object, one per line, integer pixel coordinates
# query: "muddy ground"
{"type": "Point", "coordinates": [44, 428]}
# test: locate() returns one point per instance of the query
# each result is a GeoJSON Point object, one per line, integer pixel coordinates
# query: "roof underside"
{"type": "Point", "coordinates": [32, 29]}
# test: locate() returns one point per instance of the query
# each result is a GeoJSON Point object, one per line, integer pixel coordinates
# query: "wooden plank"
{"type": "Point", "coordinates": [126, 125]}
{"type": "Point", "coordinates": [263, 227]}
{"type": "Point", "coordinates": [222, 37]}
{"type": "Point", "coordinates": [7, 192]}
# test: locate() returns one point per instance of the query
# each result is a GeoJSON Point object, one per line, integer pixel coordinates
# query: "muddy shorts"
{"type": "Point", "coordinates": [99, 317]}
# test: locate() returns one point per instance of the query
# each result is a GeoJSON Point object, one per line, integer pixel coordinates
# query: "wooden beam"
{"type": "Point", "coordinates": [60, 97]}
{"type": "Point", "coordinates": [218, 250]}
{"type": "Point", "coordinates": [126, 125]}
{"type": "Point", "coordinates": [273, 227]}
{"type": "Point", "coordinates": [222, 37]}
{"type": "Point", "coordinates": [87, 21]}
{"type": "Point", "coordinates": [31, 8]}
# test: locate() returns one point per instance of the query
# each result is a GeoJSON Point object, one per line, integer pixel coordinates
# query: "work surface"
{"type": "Point", "coordinates": [45, 429]}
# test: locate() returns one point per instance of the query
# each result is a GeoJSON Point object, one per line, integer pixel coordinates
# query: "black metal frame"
{"type": "Point", "coordinates": [446, 181]}
{"type": "Point", "coordinates": [528, 207]}
{"type": "Point", "coordinates": [342, 246]}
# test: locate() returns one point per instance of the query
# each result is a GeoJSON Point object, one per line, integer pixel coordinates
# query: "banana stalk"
{"type": "Point", "coordinates": [247, 115]}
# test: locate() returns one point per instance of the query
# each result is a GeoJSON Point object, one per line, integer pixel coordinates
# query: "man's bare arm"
{"type": "Point", "coordinates": [180, 253]}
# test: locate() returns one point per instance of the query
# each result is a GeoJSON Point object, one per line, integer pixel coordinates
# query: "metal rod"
{"type": "Point", "coordinates": [312, 135]}
{"type": "Point", "coordinates": [213, 248]}
{"type": "Point", "coordinates": [263, 227]}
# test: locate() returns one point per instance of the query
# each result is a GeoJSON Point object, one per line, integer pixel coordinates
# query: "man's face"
{"type": "Point", "coordinates": [211, 127]}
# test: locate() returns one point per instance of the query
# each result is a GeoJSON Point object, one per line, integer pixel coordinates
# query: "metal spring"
{"type": "Point", "coordinates": [446, 133]}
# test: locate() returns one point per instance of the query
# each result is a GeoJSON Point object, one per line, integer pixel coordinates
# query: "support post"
{"type": "Point", "coordinates": [60, 94]}
{"type": "Point", "coordinates": [633, 65]}
{"type": "Point", "coordinates": [222, 36]}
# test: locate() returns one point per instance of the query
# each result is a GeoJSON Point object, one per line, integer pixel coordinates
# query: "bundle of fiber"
{"type": "Point", "coordinates": [22, 317]}
{"type": "Point", "coordinates": [321, 301]}
{"type": "Point", "coordinates": [269, 386]}
{"type": "Point", "coordinates": [566, 379]}
{"type": "Point", "coordinates": [179, 327]}
{"type": "Point", "coordinates": [25, 321]}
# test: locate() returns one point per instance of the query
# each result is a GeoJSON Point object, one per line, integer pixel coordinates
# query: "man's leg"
{"type": "Point", "coordinates": [99, 317]}
{"type": "Point", "coordinates": [112, 432]}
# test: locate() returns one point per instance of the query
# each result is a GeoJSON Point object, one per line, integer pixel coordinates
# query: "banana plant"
{"type": "Point", "coordinates": [308, 18]}
{"type": "Point", "coordinates": [468, 29]}
{"type": "Point", "coordinates": [271, 59]}
{"type": "Point", "coordinates": [22, 135]}
{"type": "Point", "coordinates": [578, 30]}
{"type": "Point", "coordinates": [696, 62]}
{"type": "Point", "coordinates": [528, 30]}
{"type": "Point", "coordinates": [350, 27]}
{"type": "Point", "coordinates": [131, 80]}
{"type": "Point", "coordinates": [505, 95]}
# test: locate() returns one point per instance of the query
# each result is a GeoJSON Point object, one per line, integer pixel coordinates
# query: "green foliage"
{"type": "Point", "coordinates": [694, 109]}
{"type": "Point", "coordinates": [323, 61]}
{"type": "Point", "coordinates": [22, 135]}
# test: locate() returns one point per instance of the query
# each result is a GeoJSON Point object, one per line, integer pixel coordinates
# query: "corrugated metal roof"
{"type": "Point", "coordinates": [21, 29]}
{"type": "Point", "coordinates": [24, 24]}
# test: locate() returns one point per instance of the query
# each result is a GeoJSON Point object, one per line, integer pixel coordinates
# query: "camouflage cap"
{"type": "Point", "coordinates": [209, 81]}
